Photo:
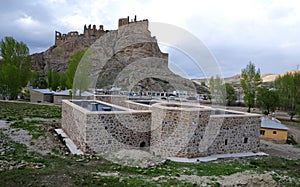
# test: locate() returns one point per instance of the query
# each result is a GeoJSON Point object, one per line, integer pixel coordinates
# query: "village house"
{"type": "Point", "coordinates": [273, 130]}
{"type": "Point", "coordinates": [41, 96]}
{"type": "Point", "coordinates": [56, 97]}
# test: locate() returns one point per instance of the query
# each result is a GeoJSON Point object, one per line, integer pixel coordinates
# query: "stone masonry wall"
{"type": "Point", "coordinates": [137, 106]}
{"type": "Point", "coordinates": [112, 131]}
{"type": "Point", "coordinates": [166, 129]}
{"type": "Point", "coordinates": [188, 132]}
{"type": "Point", "coordinates": [122, 101]}
{"type": "Point", "coordinates": [172, 128]}
{"type": "Point", "coordinates": [237, 134]}
{"type": "Point", "coordinates": [105, 131]}
{"type": "Point", "coordinates": [74, 123]}
{"type": "Point", "coordinates": [113, 99]}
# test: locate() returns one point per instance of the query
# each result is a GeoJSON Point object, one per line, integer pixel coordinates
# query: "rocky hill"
{"type": "Point", "coordinates": [66, 45]}
{"type": "Point", "coordinates": [56, 57]}
{"type": "Point", "coordinates": [128, 57]}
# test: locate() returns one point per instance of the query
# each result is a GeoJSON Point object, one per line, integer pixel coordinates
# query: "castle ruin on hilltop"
{"type": "Point", "coordinates": [90, 32]}
{"type": "Point", "coordinates": [66, 45]}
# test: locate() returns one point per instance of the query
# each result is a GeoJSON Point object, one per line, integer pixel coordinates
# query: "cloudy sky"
{"type": "Point", "coordinates": [266, 32]}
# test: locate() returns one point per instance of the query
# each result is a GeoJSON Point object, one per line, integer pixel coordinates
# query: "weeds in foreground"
{"type": "Point", "coordinates": [17, 111]}
{"type": "Point", "coordinates": [66, 170]}
{"type": "Point", "coordinates": [34, 127]}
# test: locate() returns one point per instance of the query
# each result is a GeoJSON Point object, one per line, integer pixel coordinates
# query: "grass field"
{"type": "Point", "coordinates": [21, 167]}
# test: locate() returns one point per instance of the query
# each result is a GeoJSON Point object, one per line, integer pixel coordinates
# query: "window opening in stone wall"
{"type": "Point", "coordinates": [245, 140]}
{"type": "Point", "coordinates": [143, 144]}
{"type": "Point", "coordinates": [226, 141]}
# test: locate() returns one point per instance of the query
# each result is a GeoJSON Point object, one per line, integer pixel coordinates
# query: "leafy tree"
{"type": "Point", "coordinates": [53, 79]}
{"type": "Point", "coordinates": [72, 67]}
{"type": "Point", "coordinates": [217, 90]}
{"type": "Point", "coordinates": [34, 79]}
{"type": "Point", "coordinates": [37, 81]}
{"type": "Point", "coordinates": [230, 94]}
{"type": "Point", "coordinates": [10, 81]}
{"type": "Point", "coordinates": [14, 67]}
{"type": "Point", "coordinates": [250, 81]}
{"type": "Point", "coordinates": [203, 84]}
{"type": "Point", "coordinates": [297, 84]}
{"type": "Point", "coordinates": [82, 76]}
{"type": "Point", "coordinates": [42, 83]}
{"type": "Point", "coordinates": [49, 77]}
{"type": "Point", "coordinates": [267, 99]}
{"type": "Point", "coordinates": [62, 81]}
{"type": "Point", "coordinates": [288, 87]}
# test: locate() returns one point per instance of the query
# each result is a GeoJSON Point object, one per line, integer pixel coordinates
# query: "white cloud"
{"type": "Point", "coordinates": [264, 31]}
{"type": "Point", "coordinates": [26, 22]}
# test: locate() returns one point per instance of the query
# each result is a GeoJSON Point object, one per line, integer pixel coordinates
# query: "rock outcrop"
{"type": "Point", "coordinates": [66, 45]}
{"type": "Point", "coordinates": [128, 57]}
{"type": "Point", "coordinates": [57, 56]}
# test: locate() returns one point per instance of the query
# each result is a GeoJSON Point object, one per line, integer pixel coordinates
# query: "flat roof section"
{"type": "Point", "coordinates": [272, 124]}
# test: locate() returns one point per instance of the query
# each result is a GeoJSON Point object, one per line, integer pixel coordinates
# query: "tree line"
{"type": "Point", "coordinates": [15, 67]}
{"type": "Point", "coordinates": [283, 93]}
{"type": "Point", "coordinates": [16, 74]}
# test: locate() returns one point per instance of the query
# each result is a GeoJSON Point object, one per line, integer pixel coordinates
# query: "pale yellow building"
{"type": "Point", "coordinates": [273, 130]}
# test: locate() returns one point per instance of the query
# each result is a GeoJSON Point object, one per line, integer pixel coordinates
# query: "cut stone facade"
{"type": "Point", "coordinates": [191, 131]}
{"type": "Point", "coordinates": [165, 129]}
{"type": "Point", "coordinates": [106, 131]}
{"type": "Point", "coordinates": [173, 126]}
{"type": "Point", "coordinates": [113, 99]}
{"type": "Point", "coordinates": [237, 134]}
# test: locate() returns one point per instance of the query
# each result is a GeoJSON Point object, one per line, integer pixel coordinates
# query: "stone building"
{"type": "Point", "coordinates": [41, 96]}
{"type": "Point", "coordinates": [163, 128]}
{"type": "Point", "coordinates": [90, 32]}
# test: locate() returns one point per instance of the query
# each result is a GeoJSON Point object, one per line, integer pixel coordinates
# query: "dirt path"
{"type": "Point", "coordinates": [295, 132]}
{"type": "Point", "coordinates": [280, 149]}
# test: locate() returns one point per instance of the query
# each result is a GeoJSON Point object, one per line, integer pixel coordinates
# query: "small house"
{"type": "Point", "coordinates": [273, 130]}
{"type": "Point", "coordinates": [66, 94]}
{"type": "Point", "coordinates": [41, 96]}
{"type": "Point", "coordinates": [115, 91]}
{"type": "Point", "coordinates": [60, 95]}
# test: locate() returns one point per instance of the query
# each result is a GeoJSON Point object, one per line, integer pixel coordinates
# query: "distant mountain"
{"type": "Point", "coordinates": [235, 80]}
{"type": "Point", "coordinates": [272, 77]}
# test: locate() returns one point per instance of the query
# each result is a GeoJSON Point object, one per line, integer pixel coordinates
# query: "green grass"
{"type": "Point", "coordinates": [203, 169]}
{"type": "Point", "coordinates": [277, 164]}
{"type": "Point", "coordinates": [65, 170]}
{"type": "Point", "coordinates": [17, 111]}
{"type": "Point", "coordinates": [31, 127]}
